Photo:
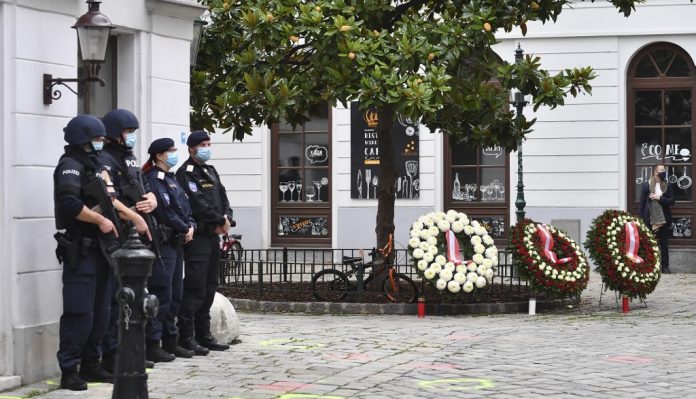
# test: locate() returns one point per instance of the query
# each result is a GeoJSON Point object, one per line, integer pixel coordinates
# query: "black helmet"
{"type": "Point", "coordinates": [118, 120]}
{"type": "Point", "coordinates": [82, 129]}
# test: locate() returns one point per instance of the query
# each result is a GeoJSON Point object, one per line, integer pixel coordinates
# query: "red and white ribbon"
{"type": "Point", "coordinates": [632, 242]}
{"type": "Point", "coordinates": [453, 248]}
{"type": "Point", "coordinates": [547, 245]}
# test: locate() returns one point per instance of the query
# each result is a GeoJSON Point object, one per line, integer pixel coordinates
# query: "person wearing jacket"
{"type": "Point", "coordinates": [213, 216]}
{"type": "Point", "coordinates": [656, 199]}
{"type": "Point", "coordinates": [176, 227]}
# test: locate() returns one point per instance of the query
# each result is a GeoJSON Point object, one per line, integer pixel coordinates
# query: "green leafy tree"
{"type": "Point", "coordinates": [262, 61]}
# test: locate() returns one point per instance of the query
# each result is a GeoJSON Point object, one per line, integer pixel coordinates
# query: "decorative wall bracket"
{"type": "Point", "coordinates": [49, 94]}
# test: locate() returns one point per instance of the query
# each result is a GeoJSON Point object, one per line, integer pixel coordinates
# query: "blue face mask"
{"type": "Point", "coordinates": [130, 140]}
{"type": "Point", "coordinates": [98, 145]}
{"type": "Point", "coordinates": [203, 154]}
{"type": "Point", "coordinates": [172, 159]}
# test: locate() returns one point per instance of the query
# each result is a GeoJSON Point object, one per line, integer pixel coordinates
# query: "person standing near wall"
{"type": "Point", "coordinates": [213, 217]}
{"type": "Point", "coordinates": [81, 185]}
{"type": "Point", "coordinates": [118, 158]}
{"type": "Point", "coordinates": [656, 199]}
{"type": "Point", "coordinates": [177, 226]}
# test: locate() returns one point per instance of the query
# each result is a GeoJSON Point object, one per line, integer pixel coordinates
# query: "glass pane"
{"type": "Point", "coordinates": [495, 225]}
{"type": "Point", "coordinates": [316, 187]}
{"type": "Point", "coordinates": [492, 186]}
{"type": "Point", "coordinates": [648, 108]}
{"type": "Point", "coordinates": [303, 226]}
{"type": "Point", "coordinates": [681, 227]}
{"type": "Point", "coordinates": [648, 144]}
{"type": "Point", "coordinates": [284, 127]}
{"type": "Point", "coordinates": [681, 179]}
{"type": "Point", "coordinates": [289, 149]}
{"type": "Point", "coordinates": [289, 178]}
{"type": "Point", "coordinates": [494, 156]}
{"type": "Point", "coordinates": [463, 155]}
{"type": "Point", "coordinates": [678, 144]}
{"type": "Point", "coordinates": [662, 58]}
{"type": "Point", "coordinates": [642, 175]}
{"type": "Point", "coordinates": [463, 184]}
{"type": "Point", "coordinates": [678, 107]}
{"type": "Point", "coordinates": [646, 68]}
{"type": "Point", "coordinates": [316, 151]}
{"type": "Point", "coordinates": [679, 68]}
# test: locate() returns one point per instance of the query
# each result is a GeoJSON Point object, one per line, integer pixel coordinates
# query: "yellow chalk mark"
{"type": "Point", "coordinates": [456, 384]}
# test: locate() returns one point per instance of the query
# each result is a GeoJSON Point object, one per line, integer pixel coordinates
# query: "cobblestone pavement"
{"type": "Point", "coordinates": [590, 351]}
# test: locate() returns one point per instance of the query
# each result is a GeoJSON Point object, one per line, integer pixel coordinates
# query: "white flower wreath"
{"type": "Point", "coordinates": [622, 259]}
{"type": "Point", "coordinates": [441, 263]}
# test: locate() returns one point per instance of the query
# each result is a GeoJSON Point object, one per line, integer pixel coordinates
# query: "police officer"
{"type": "Point", "coordinates": [118, 158]}
{"type": "Point", "coordinates": [213, 217]}
{"type": "Point", "coordinates": [86, 274]}
{"type": "Point", "coordinates": [176, 226]}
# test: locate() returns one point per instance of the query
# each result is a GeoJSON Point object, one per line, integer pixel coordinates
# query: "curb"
{"type": "Point", "coordinates": [250, 305]}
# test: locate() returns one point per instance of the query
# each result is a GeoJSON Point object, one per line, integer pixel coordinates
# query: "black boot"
{"type": "Point", "coordinates": [155, 353]}
{"type": "Point", "coordinates": [211, 343]}
{"type": "Point", "coordinates": [149, 364]}
{"type": "Point", "coordinates": [92, 371]}
{"type": "Point", "coordinates": [71, 380]}
{"type": "Point", "coordinates": [191, 344]}
{"type": "Point", "coordinates": [170, 345]}
{"type": "Point", "coordinates": [665, 270]}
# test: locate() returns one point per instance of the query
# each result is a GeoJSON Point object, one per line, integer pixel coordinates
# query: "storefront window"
{"type": "Point", "coordinates": [475, 182]}
{"type": "Point", "coordinates": [301, 201]}
{"type": "Point", "coordinates": [661, 83]}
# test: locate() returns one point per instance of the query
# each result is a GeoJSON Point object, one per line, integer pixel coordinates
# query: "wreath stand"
{"type": "Point", "coordinates": [616, 298]}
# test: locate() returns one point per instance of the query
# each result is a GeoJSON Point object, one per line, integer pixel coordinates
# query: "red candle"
{"type": "Point", "coordinates": [421, 307]}
{"type": "Point", "coordinates": [625, 304]}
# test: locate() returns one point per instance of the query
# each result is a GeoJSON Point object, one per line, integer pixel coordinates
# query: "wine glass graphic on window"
{"type": "Point", "coordinates": [484, 190]}
{"type": "Point", "coordinates": [318, 184]}
{"type": "Point", "coordinates": [291, 188]}
{"type": "Point", "coordinates": [283, 187]}
{"type": "Point", "coordinates": [298, 185]}
{"type": "Point", "coordinates": [501, 189]}
{"type": "Point", "coordinates": [310, 193]}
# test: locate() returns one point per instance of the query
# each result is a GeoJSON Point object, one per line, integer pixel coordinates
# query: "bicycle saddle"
{"type": "Point", "coordinates": [236, 236]}
{"type": "Point", "coordinates": [349, 260]}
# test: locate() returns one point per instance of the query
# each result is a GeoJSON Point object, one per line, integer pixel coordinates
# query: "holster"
{"type": "Point", "coordinates": [70, 248]}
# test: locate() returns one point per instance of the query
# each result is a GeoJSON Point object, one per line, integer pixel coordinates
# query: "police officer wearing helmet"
{"type": "Point", "coordinates": [86, 273]}
{"type": "Point", "coordinates": [118, 158]}
{"type": "Point", "coordinates": [213, 215]}
{"type": "Point", "coordinates": [177, 225]}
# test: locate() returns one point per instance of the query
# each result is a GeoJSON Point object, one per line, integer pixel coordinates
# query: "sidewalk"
{"type": "Point", "coordinates": [587, 351]}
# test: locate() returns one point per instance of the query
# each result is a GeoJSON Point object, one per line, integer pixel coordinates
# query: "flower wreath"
{"type": "Point", "coordinates": [434, 247]}
{"type": "Point", "coordinates": [625, 252]}
{"type": "Point", "coordinates": [563, 270]}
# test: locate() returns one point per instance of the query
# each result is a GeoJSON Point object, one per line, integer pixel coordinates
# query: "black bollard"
{"type": "Point", "coordinates": [133, 264]}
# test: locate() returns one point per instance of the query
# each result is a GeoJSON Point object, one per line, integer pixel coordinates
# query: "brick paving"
{"type": "Point", "coordinates": [590, 350]}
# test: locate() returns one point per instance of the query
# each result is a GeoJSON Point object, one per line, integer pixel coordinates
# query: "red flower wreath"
{"type": "Point", "coordinates": [628, 266]}
{"type": "Point", "coordinates": [549, 259]}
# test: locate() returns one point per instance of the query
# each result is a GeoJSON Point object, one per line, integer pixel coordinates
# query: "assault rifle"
{"type": "Point", "coordinates": [101, 191]}
{"type": "Point", "coordinates": [134, 193]}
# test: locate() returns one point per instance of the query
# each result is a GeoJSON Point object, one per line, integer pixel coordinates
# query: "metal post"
{"type": "Point", "coordinates": [133, 265]}
{"type": "Point", "coordinates": [519, 103]}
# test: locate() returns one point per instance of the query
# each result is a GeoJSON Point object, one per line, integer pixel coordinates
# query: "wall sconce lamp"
{"type": "Point", "coordinates": [93, 29]}
{"type": "Point", "coordinates": [197, 38]}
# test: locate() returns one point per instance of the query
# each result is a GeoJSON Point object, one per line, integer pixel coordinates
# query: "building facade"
{"type": "Point", "coordinates": [146, 71]}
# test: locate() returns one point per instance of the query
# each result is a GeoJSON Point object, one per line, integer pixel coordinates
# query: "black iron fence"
{"type": "Point", "coordinates": [285, 274]}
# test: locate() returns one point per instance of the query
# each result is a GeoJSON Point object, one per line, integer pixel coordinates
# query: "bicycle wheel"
{"type": "Point", "coordinates": [234, 254]}
{"type": "Point", "coordinates": [330, 285]}
{"type": "Point", "coordinates": [400, 289]}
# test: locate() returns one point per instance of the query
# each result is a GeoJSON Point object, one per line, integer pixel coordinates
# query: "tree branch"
{"type": "Point", "coordinates": [395, 15]}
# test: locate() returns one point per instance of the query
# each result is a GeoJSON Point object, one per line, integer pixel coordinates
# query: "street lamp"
{"type": "Point", "coordinates": [197, 38]}
{"type": "Point", "coordinates": [519, 101]}
{"type": "Point", "coordinates": [93, 29]}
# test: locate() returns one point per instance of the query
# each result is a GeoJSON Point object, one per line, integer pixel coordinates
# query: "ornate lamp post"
{"type": "Point", "coordinates": [519, 102]}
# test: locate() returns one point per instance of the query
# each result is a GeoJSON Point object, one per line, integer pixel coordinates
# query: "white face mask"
{"type": "Point", "coordinates": [98, 145]}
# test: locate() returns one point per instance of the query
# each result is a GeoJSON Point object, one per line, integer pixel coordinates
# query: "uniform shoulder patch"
{"type": "Point", "coordinates": [189, 168]}
{"type": "Point", "coordinates": [160, 175]}
{"type": "Point", "coordinates": [193, 187]}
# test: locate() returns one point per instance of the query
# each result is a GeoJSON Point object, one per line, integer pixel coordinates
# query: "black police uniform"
{"type": "Point", "coordinates": [86, 274]}
{"type": "Point", "coordinates": [173, 214]}
{"type": "Point", "coordinates": [210, 205]}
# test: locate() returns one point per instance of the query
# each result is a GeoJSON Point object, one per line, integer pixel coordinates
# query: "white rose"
{"type": "Point", "coordinates": [427, 256]}
{"type": "Point", "coordinates": [457, 226]}
{"type": "Point", "coordinates": [422, 219]}
{"type": "Point", "coordinates": [432, 250]}
{"type": "Point", "coordinates": [572, 279]}
{"type": "Point", "coordinates": [449, 266]}
{"type": "Point", "coordinates": [425, 234]}
{"type": "Point", "coordinates": [471, 266]}
{"type": "Point", "coordinates": [443, 225]}
{"type": "Point", "coordinates": [429, 274]}
{"type": "Point", "coordinates": [487, 240]}
{"type": "Point", "coordinates": [542, 266]}
{"type": "Point", "coordinates": [475, 240]}
{"type": "Point", "coordinates": [465, 221]}
{"type": "Point", "coordinates": [488, 263]}
{"type": "Point", "coordinates": [477, 258]}
{"type": "Point", "coordinates": [468, 230]}
{"type": "Point", "coordinates": [415, 233]}
{"type": "Point", "coordinates": [432, 240]}
{"type": "Point", "coordinates": [441, 260]}
{"type": "Point", "coordinates": [418, 225]}
{"type": "Point", "coordinates": [480, 270]}
{"type": "Point", "coordinates": [452, 213]}
{"type": "Point", "coordinates": [547, 272]}
{"type": "Point", "coordinates": [475, 224]}
{"type": "Point", "coordinates": [623, 275]}
{"type": "Point", "coordinates": [480, 282]}
{"type": "Point", "coordinates": [494, 261]}
{"type": "Point", "coordinates": [451, 219]}
{"type": "Point", "coordinates": [468, 286]}
{"type": "Point", "coordinates": [479, 249]}
{"type": "Point", "coordinates": [423, 245]}
{"type": "Point", "coordinates": [459, 278]}
{"type": "Point", "coordinates": [434, 231]}
{"type": "Point", "coordinates": [418, 253]}
{"type": "Point", "coordinates": [453, 287]}
{"type": "Point", "coordinates": [567, 278]}
{"type": "Point", "coordinates": [414, 242]}
{"type": "Point", "coordinates": [446, 275]}
{"type": "Point", "coordinates": [461, 215]}
{"type": "Point", "coordinates": [489, 274]}
{"type": "Point", "coordinates": [441, 284]}
{"type": "Point", "coordinates": [422, 265]}
{"type": "Point", "coordinates": [480, 231]}
{"type": "Point", "coordinates": [435, 267]}
{"type": "Point", "coordinates": [440, 215]}
{"type": "Point", "coordinates": [461, 268]}
{"type": "Point", "coordinates": [472, 277]}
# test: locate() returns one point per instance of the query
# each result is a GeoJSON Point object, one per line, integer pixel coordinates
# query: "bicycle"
{"type": "Point", "coordinates": [230, 255]}
{"type": "Point", "coordinates": [335, 285]}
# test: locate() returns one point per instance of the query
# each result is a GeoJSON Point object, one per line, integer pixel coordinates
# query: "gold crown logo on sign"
{"type": "Point", "coordinates": [371, 118]}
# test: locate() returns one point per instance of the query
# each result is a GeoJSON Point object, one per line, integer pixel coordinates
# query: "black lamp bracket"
{"type": "Point", "coordinates": [49, 94]}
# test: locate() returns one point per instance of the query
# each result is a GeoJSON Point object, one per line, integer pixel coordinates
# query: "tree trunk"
{"type": "Point", "coordinates": [385, 191]}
